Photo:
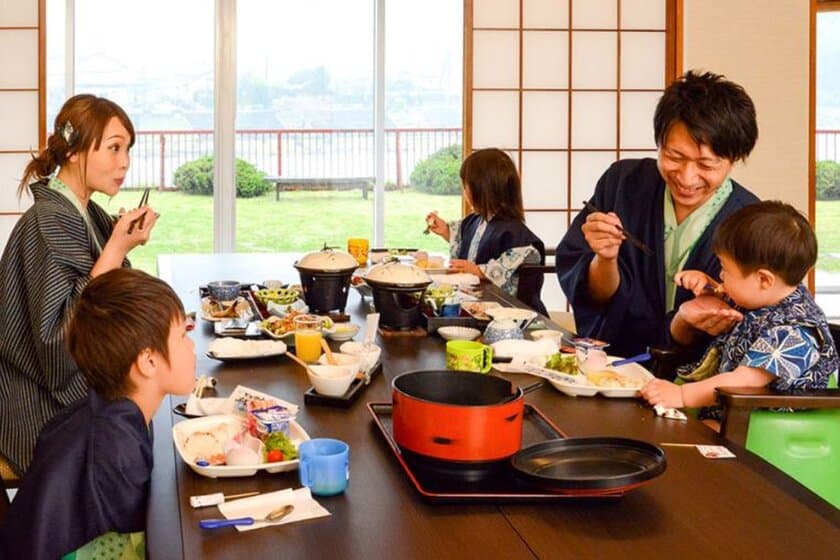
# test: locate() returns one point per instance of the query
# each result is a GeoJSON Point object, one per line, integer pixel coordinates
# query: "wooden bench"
{"type": "Point", "coordinates": [332, 183]}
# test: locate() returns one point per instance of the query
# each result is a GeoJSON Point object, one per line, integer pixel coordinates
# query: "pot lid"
{"type": "Point", "coordinates": [328, 259]}
{"type": "Point", "coordinates": [398, 273]}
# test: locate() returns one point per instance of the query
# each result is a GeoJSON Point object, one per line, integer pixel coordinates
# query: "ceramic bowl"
{"type": "Point", "coordinates": [342, 331]}
{"type": "Point", "coordinates": [348, 360]}
{"type": "Point", "coordinates": [521, 316]}
{"type": "Point", "coordinates": [331, 381]}
{"type": "Point", "coordinates": [458, 333]}
{"type": "Point", "coordinates": [224, 290]}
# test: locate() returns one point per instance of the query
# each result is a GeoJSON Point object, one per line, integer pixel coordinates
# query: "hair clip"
{"type": "Point", "coordinates": [68, 133]}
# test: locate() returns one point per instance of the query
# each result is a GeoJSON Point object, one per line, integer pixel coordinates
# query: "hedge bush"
{"type": "Point", "coordinates": [438, 174]}
{"type": "Point", "coordinates": [196, 177]}
{"type": "Point", "coordinates": [828, 180]}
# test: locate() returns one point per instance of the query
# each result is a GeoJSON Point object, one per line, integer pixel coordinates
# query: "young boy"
{"type": "Point", "coordinates": [765, 251]}
{"type": "Point", "coordinates": [87, 488]}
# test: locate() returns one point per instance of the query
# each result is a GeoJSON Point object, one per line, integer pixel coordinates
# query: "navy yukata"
{"type": "Point", "coordinates": [500, 235]}
{"type": "Point", "coordinates": [90, 475]}
{"type": "Point", "coordinates": [635, 318]}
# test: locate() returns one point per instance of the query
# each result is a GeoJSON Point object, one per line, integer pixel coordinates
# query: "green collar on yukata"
{"type": "Point", "coordinates": [680, 239]}
{"type": "Point", "coordinates": [60, 186]}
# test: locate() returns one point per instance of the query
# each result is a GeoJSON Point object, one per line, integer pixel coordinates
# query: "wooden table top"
{"type": "Point", "coordinates": [699, 508]}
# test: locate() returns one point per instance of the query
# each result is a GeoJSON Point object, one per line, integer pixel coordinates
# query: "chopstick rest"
{"type": "Point", "coordinates": [216, 499]}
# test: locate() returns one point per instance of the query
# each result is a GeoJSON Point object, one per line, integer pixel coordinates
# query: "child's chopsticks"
{"type": "Point", "coordinates": [144, 200]}
{"type": "Point", "coordinates": [630, 238]}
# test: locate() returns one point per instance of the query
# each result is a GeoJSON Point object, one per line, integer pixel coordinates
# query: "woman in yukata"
{"type": "Point", "coordinates": [62, 241]}
{"type": "Point", "coordinates": [703, 125]}
{"type": "Point", "coordinates": [493, 240]}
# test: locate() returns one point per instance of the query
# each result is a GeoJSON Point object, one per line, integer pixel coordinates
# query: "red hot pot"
{"type": "Point", "coordinates": [457, 416]}
{"type": "Point", "coordinates": [325, 279]}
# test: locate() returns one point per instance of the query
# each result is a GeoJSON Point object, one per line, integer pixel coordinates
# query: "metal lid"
{"type": "Point", "coordinates": [398, 274]}
{"type": "Point", "coordinates": [328, 260]}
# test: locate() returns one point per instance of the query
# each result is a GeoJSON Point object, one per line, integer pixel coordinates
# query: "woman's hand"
{"type": "Point", "coordinates": [695, 281]}
{"type": "Point", "coordinates": [126, 236]}
{"type": "Point", "coordinates": [602, 232]}
{"type": "Point", "coordinates": [437, 225]}
{"type": "Point", "coordinates": [659, 391]}
{"type": "Point", "coordinates": [463, 265]}
{"type": "Point", "coordinates": [709, 314]}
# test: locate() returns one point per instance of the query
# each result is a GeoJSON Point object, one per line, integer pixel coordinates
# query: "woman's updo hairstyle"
{"type": "Point", "coordinates": [78, 126]}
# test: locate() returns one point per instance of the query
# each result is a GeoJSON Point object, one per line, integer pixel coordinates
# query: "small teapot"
{"type": "Point", "coordinates": [502, 329]}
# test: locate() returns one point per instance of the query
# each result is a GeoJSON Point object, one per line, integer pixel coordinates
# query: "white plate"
{"type": "Point", "coordinates": [478, 309]}
{"type": "Point", "coordinates": [585, 389]}
{"type": "Point", "coordinates": [232, 423]}
{"type": "Point", "coordinates": [518, 348]}
{"type": "Point", "coordinates": [238, 349]}
{"type": "Point", "coordinates": [340, 334]}
{"type": "Point", "coordinates": [242, 305]}
{"type": "Point", "coordinates": [458, 333]}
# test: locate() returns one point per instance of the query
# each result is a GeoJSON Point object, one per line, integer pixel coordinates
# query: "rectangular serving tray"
{"type": "Point", "coordinates": [501, 486]}
{"type": "Point", "coordinates": [356, 388]}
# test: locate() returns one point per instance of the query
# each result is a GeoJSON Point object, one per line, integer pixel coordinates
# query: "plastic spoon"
{"type": "Point", "coordinates": [273, 517]}
{"type": "Point", "coordinates": [328, 351]}
{"type": "Point", "coordinates": [631, 360]}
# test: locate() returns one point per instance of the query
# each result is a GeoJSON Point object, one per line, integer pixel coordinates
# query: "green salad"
{"type": "Point", "coordinates": [564, 363]}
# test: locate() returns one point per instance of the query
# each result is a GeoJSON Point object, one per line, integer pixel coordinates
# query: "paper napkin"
{"type": "Point", "coordinates": [306, 507]}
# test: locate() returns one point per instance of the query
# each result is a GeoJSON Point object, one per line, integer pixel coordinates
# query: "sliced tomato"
{"type": "Point", "coordinates": [274, 456]}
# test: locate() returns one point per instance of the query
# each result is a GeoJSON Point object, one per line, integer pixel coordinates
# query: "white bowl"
{"type": "Point", "coordinates": [368, 353]}
{"type": "Point", "coordinates": [458, 333]}
{"type": "Point", "coordinates": [331, 381]}
{"type": "Point", "coordinates": [349, 360]}
{"type": "Point", "coordinates": [547, 333]}
{"type": "Point", "coordinates": [521, 316]}
{"type": "Point", "coordinates": [342, 331]}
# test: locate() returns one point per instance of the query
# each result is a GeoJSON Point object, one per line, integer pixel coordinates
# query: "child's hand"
{"type": "Point", "coordinates": [696, 281]}
{"type": "Point", "coordinates": [659, 391]}
{"type": "Point", "coordinates": [463, 265]}
{"type": "Point", "coordinates": [709, 314]}
{"type": "Point", "coordinates": [438, 225]}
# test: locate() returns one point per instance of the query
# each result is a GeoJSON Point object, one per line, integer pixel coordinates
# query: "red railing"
{"type": "Point", "coordinates": [315, 153]}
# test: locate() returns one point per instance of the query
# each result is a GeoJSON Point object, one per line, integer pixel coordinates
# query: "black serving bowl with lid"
{"type": "Point", "coordinates": [398, 294]}
{"type": "Point", "coordinates": [325, 279]}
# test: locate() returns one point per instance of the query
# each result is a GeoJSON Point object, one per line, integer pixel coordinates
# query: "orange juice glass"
{"type": "Point", "coordinates": [308, 338]}
{"type": "Point", "coordinates": [359, 248]}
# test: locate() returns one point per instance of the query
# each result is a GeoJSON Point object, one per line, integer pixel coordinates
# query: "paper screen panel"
{"type": "Point", "coordinates": [594, 59]}
{"type": "Point", "coordinates": [593, 119]}
{"type": "Point", "coordinates": [544, 119]}
{"type": "Point", "coordinates": [495, 119]}
{"type": "Point", "coordinates": [545, 59]}
{"type": "Point", "coordinates": [643, 60]}
{"type": "Point", "coordinates": [545, 14]}
{"type": "Point", "coordinates": [544, 177]}
{"type": "Point", "coordinates": [496, 61]}
{"type": "Point", "coordinates": [496, 13]}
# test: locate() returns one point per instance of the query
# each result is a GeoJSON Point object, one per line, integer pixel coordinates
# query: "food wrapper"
{"type": "Point", "coordinates": [272, 419]}
{"type": "Point", "coordinates": [670, 413]}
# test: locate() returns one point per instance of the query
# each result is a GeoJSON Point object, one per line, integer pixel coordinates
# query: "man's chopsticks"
{"type": "Point", "coordinates": [144, 200]}
{"type": "Point", "coordinates": [630, 237]}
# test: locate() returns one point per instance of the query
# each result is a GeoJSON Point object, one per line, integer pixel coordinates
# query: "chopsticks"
{"type": "Point", "coordinates": [144, 200]}
{"type": "Point", "coordinates": [629, 236]}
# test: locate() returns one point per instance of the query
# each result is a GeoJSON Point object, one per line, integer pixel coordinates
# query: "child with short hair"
{"type": "Point", "coordinates": [88, 485]}
{"type": "Point", "coordinates": [783, 340]}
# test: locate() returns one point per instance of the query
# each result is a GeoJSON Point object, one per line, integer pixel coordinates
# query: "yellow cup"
{"type": "Point", "coordinates": [308, 338]}
{"type": "Point", "coordinates": [359, 248]}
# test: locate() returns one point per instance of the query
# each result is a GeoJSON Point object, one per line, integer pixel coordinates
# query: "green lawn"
{"type": "Point", "coordinates": [828, 234]}
{"type": "Point", "coordinates": [300, 221]}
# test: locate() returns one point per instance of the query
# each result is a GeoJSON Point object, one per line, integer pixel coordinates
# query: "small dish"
{"type": "Point", "coordinates": [478, 309]}
{"type": "Point", "coordinates": [332, 381]}
{"type": "Point", "coordinates": [342, 331]}
{"type": "Point", "coordinates": [243, 310]}
{"type": "Point", "coordinates": [547, 333]}
{"type": "Point", "coordinates": [458, 333]}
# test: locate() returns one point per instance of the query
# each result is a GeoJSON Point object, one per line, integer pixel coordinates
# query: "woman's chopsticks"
{"type": "Point", "coordinates": [144, 200]}
{"type": "Point", "coordinates": [630, 237]}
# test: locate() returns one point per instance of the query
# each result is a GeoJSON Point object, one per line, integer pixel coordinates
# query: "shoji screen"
{"type": "Point", "coordinates": [19, 102]}
{"type": "Point", "coordinates": [565, 87]}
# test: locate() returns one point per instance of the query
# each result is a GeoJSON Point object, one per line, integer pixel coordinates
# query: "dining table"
{"type": "Point", "coordinates": [699, 507]}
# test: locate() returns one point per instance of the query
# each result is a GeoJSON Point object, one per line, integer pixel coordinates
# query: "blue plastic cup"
{"type": "Point", "coordinates": [324, 466]}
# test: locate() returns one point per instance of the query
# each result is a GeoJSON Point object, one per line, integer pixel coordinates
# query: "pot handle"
{"type": "Point", "coordinates": [487, 354]}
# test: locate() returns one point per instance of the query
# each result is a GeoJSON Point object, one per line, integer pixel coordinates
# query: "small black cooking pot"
{"type": "Point", "coordinates": [399, 306]}
{"type": "Point", "coordinates": [325, 290]}
{"type": "Point", "coordinates": [457, 416]}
